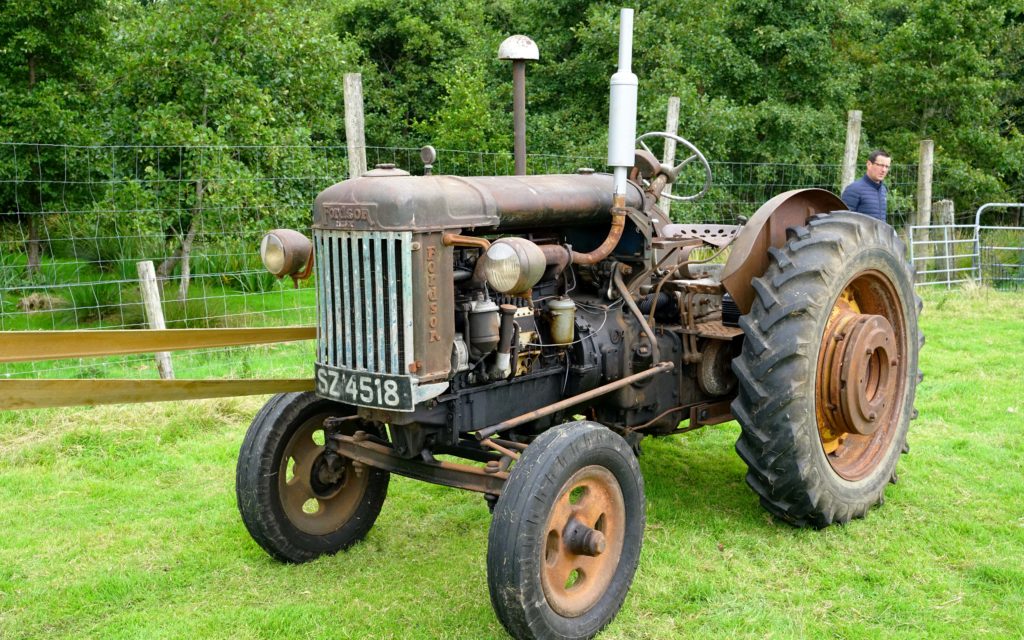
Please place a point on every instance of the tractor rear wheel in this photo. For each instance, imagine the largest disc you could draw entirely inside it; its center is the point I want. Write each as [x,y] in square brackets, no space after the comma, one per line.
[565,539]
[828,370]
[298,500]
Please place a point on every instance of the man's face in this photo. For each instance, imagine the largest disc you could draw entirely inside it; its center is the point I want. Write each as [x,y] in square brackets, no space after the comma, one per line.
[878,169]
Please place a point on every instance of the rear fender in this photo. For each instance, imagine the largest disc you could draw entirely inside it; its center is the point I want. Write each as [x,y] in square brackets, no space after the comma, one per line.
[767,228]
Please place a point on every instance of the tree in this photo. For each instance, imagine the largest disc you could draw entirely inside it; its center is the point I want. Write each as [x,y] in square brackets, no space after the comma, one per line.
[47,46]
[937,75]
[214,75]
[430,72]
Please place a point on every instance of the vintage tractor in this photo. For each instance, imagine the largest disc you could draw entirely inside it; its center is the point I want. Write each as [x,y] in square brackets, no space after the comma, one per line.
[539,327]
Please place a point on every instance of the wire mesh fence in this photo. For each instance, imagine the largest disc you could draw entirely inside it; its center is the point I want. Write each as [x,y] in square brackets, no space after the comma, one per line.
[76,220]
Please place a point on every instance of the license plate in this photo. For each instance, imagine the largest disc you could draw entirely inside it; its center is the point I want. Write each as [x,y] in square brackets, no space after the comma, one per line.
[377,390]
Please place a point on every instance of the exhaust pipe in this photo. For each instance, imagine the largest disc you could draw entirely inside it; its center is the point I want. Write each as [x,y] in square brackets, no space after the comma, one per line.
[519,49]
[622,111]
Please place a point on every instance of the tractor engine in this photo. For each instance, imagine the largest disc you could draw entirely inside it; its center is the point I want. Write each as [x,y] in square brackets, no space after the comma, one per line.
[447,304]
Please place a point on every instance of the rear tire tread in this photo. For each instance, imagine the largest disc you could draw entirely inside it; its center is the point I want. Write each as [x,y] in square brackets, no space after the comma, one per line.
[789,299]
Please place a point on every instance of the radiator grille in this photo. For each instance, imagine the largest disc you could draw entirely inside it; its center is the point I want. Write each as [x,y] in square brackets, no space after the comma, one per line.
[364,300]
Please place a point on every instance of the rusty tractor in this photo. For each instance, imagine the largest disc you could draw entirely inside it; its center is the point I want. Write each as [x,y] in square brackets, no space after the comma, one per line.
[537,327]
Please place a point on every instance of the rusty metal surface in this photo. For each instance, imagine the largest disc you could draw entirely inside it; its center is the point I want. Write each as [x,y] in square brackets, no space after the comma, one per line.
[597,392]
[585,534]
[717,331]
[861,375]
[433,301]
[449,474]
[37,394]
[767,228]
[455,240]
[710,413]
[610,241]
[519,115]
[426,203]
[320,490]
[24,346]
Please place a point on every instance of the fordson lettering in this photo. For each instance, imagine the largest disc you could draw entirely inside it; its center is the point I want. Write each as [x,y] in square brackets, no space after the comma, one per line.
[432,321]
[346,216]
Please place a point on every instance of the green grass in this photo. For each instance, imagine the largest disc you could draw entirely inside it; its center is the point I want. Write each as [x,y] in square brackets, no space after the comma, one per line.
[120,522]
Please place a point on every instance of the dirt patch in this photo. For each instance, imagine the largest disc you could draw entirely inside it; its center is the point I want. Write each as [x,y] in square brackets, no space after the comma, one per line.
[36,302]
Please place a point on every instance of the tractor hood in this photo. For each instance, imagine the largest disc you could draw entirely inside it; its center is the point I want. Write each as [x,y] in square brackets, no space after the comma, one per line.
[392,201]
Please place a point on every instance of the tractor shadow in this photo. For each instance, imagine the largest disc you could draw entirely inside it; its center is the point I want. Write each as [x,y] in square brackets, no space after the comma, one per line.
[698,477]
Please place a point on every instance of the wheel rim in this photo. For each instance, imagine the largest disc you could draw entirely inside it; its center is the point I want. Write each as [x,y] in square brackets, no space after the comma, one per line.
[583,541]
[861,375]
[319,490]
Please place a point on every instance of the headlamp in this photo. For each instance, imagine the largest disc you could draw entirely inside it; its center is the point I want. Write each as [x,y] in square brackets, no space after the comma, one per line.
[285,252]
[513,265]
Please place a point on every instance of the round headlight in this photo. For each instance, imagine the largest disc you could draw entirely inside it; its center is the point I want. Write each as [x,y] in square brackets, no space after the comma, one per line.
[513,265]
[272,253]
[285,252]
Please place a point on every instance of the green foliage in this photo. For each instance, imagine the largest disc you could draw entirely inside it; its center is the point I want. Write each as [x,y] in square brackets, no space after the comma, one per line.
[429,64]
[939,73]
[46,47]
[220,99]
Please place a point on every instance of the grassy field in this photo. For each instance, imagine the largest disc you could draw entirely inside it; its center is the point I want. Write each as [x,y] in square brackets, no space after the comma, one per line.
[120,522]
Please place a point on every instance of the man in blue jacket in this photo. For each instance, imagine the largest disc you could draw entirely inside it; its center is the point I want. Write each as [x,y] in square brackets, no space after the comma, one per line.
[868,195]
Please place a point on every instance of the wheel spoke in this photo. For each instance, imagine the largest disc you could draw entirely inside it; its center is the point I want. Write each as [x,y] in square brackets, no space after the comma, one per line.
[304,451]
[294,494]
[594,503]
[558,574]
[590,566]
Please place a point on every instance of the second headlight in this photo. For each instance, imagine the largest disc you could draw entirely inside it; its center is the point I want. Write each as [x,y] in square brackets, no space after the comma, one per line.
[513,265]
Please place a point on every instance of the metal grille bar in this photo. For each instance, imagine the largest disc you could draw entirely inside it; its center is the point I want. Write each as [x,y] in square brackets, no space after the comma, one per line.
[364,289]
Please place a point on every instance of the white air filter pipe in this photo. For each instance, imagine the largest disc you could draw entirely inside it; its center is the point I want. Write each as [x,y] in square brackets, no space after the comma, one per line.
[622,110]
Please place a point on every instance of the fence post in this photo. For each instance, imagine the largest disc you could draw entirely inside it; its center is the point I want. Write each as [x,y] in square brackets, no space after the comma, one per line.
[669,157]
[924,197]
[852,148]
[924,183]
[154,313]
[944,216]
[355,135]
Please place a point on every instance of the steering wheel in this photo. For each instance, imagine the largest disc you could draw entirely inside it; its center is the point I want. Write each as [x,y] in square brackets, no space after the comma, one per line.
[675,171]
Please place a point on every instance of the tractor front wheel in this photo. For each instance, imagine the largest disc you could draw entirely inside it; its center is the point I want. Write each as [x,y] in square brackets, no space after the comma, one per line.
[565,540]
[298,500]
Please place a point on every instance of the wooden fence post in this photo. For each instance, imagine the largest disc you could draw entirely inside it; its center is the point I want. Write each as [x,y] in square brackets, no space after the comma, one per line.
[923,216]
[355,135]
[669,156]
[944,216]
[852,148]
[924,182]
[154,314]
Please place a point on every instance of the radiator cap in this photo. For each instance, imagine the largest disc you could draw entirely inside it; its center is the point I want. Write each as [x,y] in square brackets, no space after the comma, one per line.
[384,170]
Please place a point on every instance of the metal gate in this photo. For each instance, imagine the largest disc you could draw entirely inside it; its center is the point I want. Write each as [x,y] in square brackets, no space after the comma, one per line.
[992,255]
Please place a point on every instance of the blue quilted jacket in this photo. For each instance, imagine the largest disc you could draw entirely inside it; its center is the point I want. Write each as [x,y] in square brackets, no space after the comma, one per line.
[867,197]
